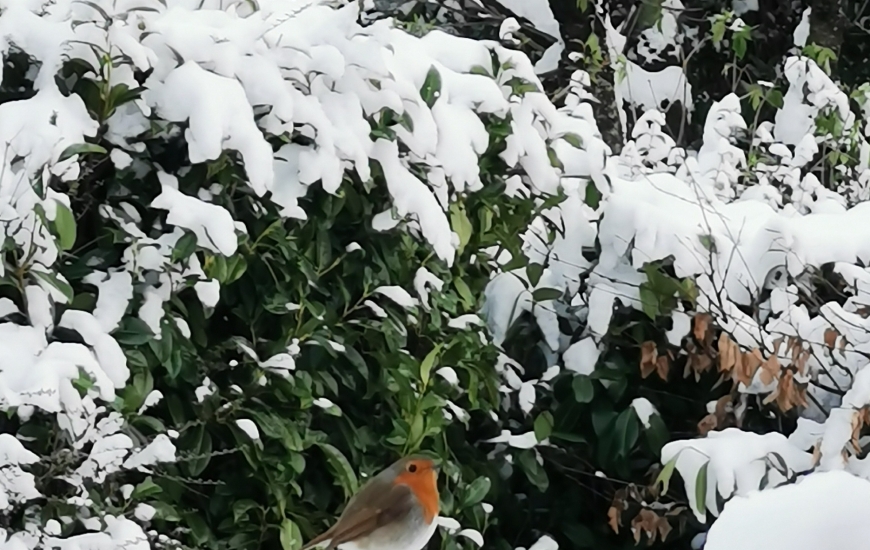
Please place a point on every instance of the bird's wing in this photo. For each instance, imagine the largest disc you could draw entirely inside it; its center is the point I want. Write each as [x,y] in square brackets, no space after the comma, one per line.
[362,516]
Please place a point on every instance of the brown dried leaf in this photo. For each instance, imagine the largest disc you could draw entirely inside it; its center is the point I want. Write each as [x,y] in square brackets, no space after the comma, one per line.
[831,338]
[727,353]
[857,425]
[750,363]
[707,424]
[787,393]
[647,521]
[663,366]
[700,326]
[664,528]
[648,355]
[613,518]
[700,362]
[770,370]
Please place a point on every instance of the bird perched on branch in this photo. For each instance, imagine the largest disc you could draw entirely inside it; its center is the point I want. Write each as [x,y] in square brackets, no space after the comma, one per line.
[395,510]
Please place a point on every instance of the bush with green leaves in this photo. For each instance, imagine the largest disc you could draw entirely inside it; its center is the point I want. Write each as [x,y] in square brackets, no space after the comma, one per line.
[245,249]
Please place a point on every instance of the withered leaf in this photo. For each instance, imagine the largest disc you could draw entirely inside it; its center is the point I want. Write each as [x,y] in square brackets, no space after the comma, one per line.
[770,370]
[700,326]
[648,356]
[707,424]
[613,518]
[727,353]
[663,366]
[831,338]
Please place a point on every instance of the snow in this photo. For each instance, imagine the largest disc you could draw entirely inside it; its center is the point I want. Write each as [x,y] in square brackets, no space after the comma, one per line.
[397,294]
[212,224]
[644,410]
[824,511]
[249,427]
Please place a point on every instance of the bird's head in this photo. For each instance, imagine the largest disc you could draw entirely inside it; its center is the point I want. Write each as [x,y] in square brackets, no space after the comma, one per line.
[420,474]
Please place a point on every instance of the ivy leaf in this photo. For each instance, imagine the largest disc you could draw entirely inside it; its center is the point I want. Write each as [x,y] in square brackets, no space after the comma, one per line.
[65,223]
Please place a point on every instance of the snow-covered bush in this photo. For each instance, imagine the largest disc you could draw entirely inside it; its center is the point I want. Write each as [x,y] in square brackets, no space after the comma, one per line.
[246,244]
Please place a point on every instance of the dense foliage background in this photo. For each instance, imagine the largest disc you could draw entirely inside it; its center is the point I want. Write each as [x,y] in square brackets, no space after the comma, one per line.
[256,251]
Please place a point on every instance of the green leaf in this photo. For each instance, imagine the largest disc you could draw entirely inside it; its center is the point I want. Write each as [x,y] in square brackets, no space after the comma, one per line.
[291,537]
[133,332]
[65,223]
[627,431]
[774,97]
[427,364]
[543,426]
[739,46]
[184,247]
[198,528]
[649,301]
[701,489]
[464,292]
[62,286]
[476,492]
[573,139]
[200,450]
[81,149]
[165,511]
[593,196]
[718,30]
[145,489]
[665,475]
[584,391]
[460,224]
[431,90]
[543,294]
[340,466]
[534,272]
[242,507]
[657,435]
[534,471]
[569,437]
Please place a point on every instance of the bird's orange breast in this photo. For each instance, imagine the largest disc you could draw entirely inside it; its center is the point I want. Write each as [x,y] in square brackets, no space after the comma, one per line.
[425,488]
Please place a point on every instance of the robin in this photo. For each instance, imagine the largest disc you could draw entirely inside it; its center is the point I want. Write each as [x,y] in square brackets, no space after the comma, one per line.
[395,510]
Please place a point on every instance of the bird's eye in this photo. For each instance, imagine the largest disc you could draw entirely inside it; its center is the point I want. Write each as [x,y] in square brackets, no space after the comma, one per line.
[412,468]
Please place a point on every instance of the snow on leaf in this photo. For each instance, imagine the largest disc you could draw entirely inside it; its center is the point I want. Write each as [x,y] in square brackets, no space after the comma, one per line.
[249,427]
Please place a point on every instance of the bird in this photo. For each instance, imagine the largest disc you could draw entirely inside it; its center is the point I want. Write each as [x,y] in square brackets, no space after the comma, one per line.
[395,510]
